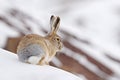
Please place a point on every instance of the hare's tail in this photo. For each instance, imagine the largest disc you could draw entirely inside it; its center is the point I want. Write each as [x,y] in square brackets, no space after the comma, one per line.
[34,59]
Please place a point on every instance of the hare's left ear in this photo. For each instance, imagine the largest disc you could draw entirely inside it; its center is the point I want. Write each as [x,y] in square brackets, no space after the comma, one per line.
[54,24]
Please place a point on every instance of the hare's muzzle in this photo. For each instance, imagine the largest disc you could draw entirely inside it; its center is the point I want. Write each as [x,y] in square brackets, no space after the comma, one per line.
[61,46]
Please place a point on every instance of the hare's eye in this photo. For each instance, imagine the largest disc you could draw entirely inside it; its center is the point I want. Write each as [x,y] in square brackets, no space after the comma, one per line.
[57,39]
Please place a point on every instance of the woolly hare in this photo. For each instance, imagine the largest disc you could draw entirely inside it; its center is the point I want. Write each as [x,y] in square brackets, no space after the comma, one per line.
[35,49]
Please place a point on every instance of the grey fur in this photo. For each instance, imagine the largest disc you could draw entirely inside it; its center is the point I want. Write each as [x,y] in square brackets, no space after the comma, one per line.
[31,50]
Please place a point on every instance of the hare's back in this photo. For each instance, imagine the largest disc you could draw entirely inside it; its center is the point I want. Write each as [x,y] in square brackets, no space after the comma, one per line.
[30,39]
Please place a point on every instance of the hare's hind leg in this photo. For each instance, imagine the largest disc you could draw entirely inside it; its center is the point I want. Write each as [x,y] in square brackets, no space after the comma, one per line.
[43,61]
[31,54]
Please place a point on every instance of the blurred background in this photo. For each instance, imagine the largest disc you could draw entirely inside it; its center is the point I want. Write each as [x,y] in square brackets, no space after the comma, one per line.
[90,30]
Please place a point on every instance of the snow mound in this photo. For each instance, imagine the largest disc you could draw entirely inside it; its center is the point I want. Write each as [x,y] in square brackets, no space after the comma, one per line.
[12,69]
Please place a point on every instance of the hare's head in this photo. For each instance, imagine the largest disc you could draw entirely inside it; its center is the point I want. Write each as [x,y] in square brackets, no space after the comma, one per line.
[53,37]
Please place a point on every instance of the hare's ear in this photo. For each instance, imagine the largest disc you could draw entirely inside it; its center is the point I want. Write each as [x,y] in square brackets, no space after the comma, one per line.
[54,24]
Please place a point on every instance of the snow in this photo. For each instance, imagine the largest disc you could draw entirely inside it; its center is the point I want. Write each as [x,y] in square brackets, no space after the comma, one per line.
[12,69]
[97,21]
[100,28]
[101,24]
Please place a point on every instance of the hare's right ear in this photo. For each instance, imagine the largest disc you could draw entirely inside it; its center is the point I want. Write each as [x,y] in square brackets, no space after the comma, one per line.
[54,24]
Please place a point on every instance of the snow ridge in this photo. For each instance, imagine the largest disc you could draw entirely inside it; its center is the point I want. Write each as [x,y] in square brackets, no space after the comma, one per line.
[12,69]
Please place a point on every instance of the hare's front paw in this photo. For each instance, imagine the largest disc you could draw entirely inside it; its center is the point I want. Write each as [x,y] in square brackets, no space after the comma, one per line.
[34,60]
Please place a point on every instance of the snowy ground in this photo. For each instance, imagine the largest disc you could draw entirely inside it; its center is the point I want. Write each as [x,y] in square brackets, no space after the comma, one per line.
[12,69]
